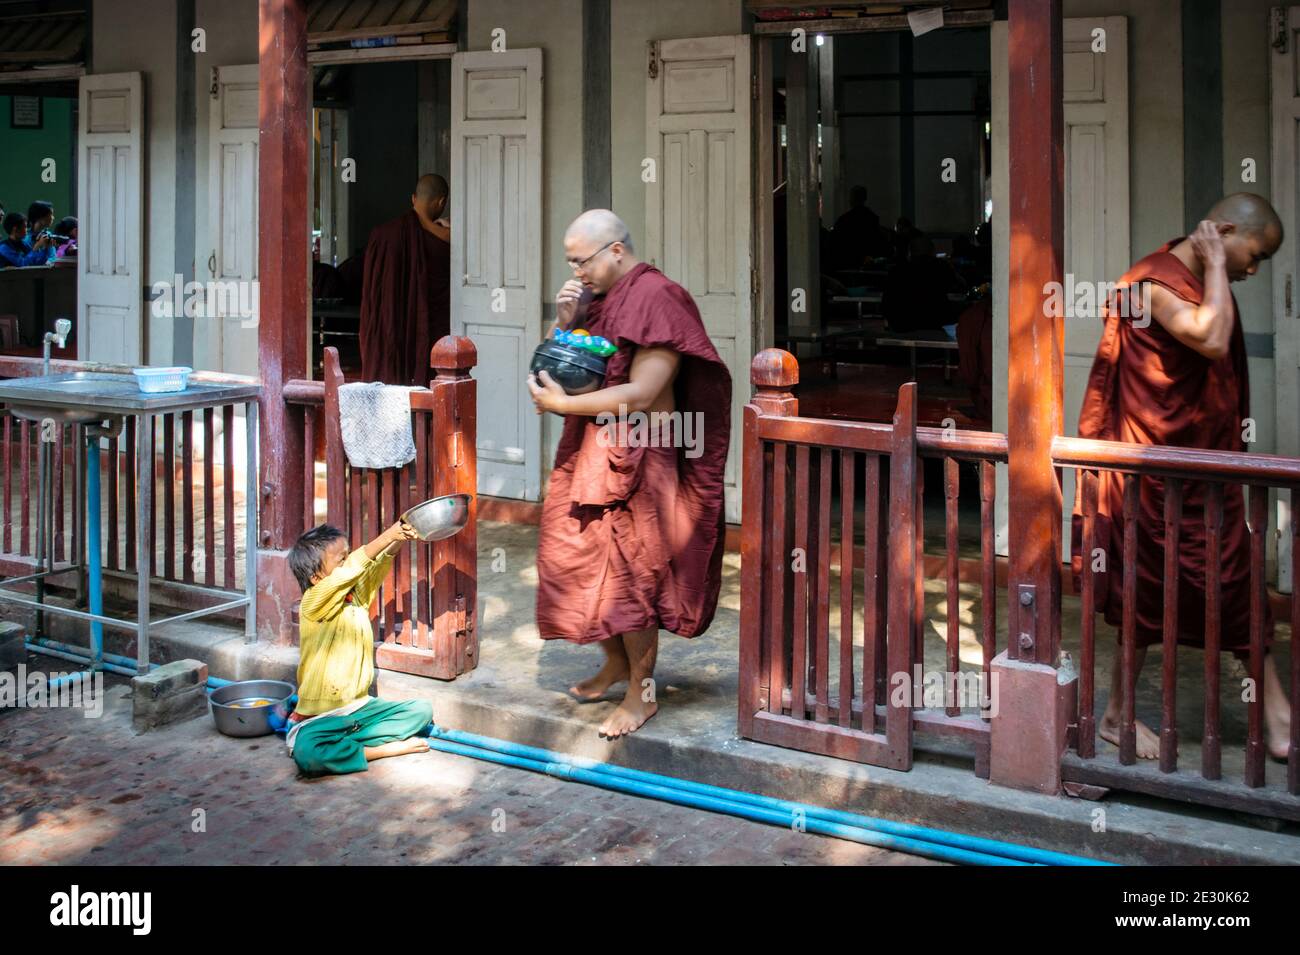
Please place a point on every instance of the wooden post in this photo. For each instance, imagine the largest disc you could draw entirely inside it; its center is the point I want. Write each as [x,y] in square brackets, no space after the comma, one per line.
[1034,390]
[773,373]
[336,504]
[1033,706]
[452,468]
[284,109]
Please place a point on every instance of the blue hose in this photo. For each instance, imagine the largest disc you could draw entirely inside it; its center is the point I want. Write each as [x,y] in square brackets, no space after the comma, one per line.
[790,810]
[94,560]
[114,658]
[680,797]
[80,658]
[111,662]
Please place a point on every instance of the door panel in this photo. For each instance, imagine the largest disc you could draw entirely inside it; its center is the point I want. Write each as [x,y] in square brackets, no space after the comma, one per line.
[110,271]
[225,339]
[698,229]
[496,265]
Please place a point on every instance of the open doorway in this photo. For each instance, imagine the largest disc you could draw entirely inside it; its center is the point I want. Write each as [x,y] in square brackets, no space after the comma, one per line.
[376,128]
[38,204]
[881,221]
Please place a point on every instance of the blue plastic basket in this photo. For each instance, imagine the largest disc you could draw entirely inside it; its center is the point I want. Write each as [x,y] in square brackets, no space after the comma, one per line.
[157,380]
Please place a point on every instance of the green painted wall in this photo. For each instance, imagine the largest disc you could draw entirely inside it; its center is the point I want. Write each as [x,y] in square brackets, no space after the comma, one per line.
[23,150]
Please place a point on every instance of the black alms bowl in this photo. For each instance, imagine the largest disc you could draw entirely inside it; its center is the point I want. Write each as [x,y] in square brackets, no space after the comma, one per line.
[575,370]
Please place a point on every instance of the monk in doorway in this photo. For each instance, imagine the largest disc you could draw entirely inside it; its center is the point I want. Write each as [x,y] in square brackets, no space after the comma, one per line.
[632,529]
[1178,377]
[406,289]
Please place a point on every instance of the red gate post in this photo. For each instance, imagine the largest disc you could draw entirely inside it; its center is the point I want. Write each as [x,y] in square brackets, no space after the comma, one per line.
[453,469]
[773,372]
[1033,705]
[284,108]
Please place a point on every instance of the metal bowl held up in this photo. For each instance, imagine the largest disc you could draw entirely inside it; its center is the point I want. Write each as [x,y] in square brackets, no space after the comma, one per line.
[439,517]
[235,720]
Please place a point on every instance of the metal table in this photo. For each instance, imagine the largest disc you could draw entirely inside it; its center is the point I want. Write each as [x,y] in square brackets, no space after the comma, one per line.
[104,396]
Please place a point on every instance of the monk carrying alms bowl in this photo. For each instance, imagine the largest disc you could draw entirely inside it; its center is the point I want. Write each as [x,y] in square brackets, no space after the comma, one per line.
[631,534]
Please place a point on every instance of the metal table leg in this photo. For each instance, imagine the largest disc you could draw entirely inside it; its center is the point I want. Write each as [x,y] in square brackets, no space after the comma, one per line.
[143,514]
[42,503]
[250,522]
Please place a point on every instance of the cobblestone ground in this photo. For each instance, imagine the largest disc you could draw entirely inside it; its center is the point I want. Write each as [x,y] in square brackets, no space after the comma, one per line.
[77,790]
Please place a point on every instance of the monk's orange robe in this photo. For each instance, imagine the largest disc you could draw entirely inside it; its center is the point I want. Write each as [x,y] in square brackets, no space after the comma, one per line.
[1146,387]
[632,535]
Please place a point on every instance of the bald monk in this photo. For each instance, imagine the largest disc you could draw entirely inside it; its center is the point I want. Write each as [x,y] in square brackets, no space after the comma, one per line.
[406,289]
[631,535]
[1178,378]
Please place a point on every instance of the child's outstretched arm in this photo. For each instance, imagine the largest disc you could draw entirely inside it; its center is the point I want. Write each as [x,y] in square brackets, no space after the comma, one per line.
[391,540]
[380,550]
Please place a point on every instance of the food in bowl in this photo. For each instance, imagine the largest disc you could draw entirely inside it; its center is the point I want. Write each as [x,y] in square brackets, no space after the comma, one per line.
[576,360]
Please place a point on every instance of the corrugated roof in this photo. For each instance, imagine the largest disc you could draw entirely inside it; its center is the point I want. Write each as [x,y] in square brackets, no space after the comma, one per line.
[330,21]
[40,34]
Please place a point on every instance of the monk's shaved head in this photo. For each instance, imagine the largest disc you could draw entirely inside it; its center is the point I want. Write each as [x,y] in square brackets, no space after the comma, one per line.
[1250,213]
[431,186]
[599,226]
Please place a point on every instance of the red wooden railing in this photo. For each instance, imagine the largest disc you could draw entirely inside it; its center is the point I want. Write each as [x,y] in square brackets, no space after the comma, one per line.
[197,564]
[1184,472]
[426,611]
[787,696]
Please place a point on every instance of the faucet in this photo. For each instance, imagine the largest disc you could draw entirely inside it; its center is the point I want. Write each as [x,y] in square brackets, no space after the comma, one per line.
[60,334]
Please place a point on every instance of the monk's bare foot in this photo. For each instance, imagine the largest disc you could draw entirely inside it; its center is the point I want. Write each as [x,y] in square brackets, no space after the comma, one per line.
[629,717]
[1277,734]
[1148,744]
[594,688]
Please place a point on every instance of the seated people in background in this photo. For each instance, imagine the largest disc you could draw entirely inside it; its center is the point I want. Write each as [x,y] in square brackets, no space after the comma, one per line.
[857,233]
[984,249]
[916,295]
[351,273]
[975,355]
[14,250]
[65,237]
[40,215]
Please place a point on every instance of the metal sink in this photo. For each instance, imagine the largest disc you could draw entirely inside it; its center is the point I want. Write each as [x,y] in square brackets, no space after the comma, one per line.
[80,383]
[84,397]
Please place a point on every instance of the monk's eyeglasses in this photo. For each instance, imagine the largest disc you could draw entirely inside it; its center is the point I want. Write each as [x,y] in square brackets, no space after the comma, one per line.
[578,265]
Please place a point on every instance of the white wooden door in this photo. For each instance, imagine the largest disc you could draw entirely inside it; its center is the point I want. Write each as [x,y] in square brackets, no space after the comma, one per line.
[698,223]
[1284,24]
[1096,207]
[496,264]
[110,178]
[225,338]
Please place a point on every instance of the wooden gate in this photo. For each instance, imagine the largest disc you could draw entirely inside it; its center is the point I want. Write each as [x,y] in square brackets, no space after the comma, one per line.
[425,613]
[786,695]
[802,685]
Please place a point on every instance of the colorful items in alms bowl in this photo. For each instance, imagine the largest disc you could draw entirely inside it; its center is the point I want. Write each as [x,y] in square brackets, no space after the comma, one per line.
[574,359]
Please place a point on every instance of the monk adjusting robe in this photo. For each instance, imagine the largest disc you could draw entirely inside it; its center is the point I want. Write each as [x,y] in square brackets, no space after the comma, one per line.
[632,537]
[1146,387]
[405,301]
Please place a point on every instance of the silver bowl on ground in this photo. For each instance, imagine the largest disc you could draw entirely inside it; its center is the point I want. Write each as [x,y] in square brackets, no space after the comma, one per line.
[237,710]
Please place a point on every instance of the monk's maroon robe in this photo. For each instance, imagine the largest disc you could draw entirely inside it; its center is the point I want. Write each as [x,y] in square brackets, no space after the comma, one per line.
[632,536]
[1146,387]
[405,301]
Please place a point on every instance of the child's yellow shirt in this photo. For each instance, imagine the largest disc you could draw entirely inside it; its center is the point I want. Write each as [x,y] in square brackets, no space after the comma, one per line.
[335,638]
